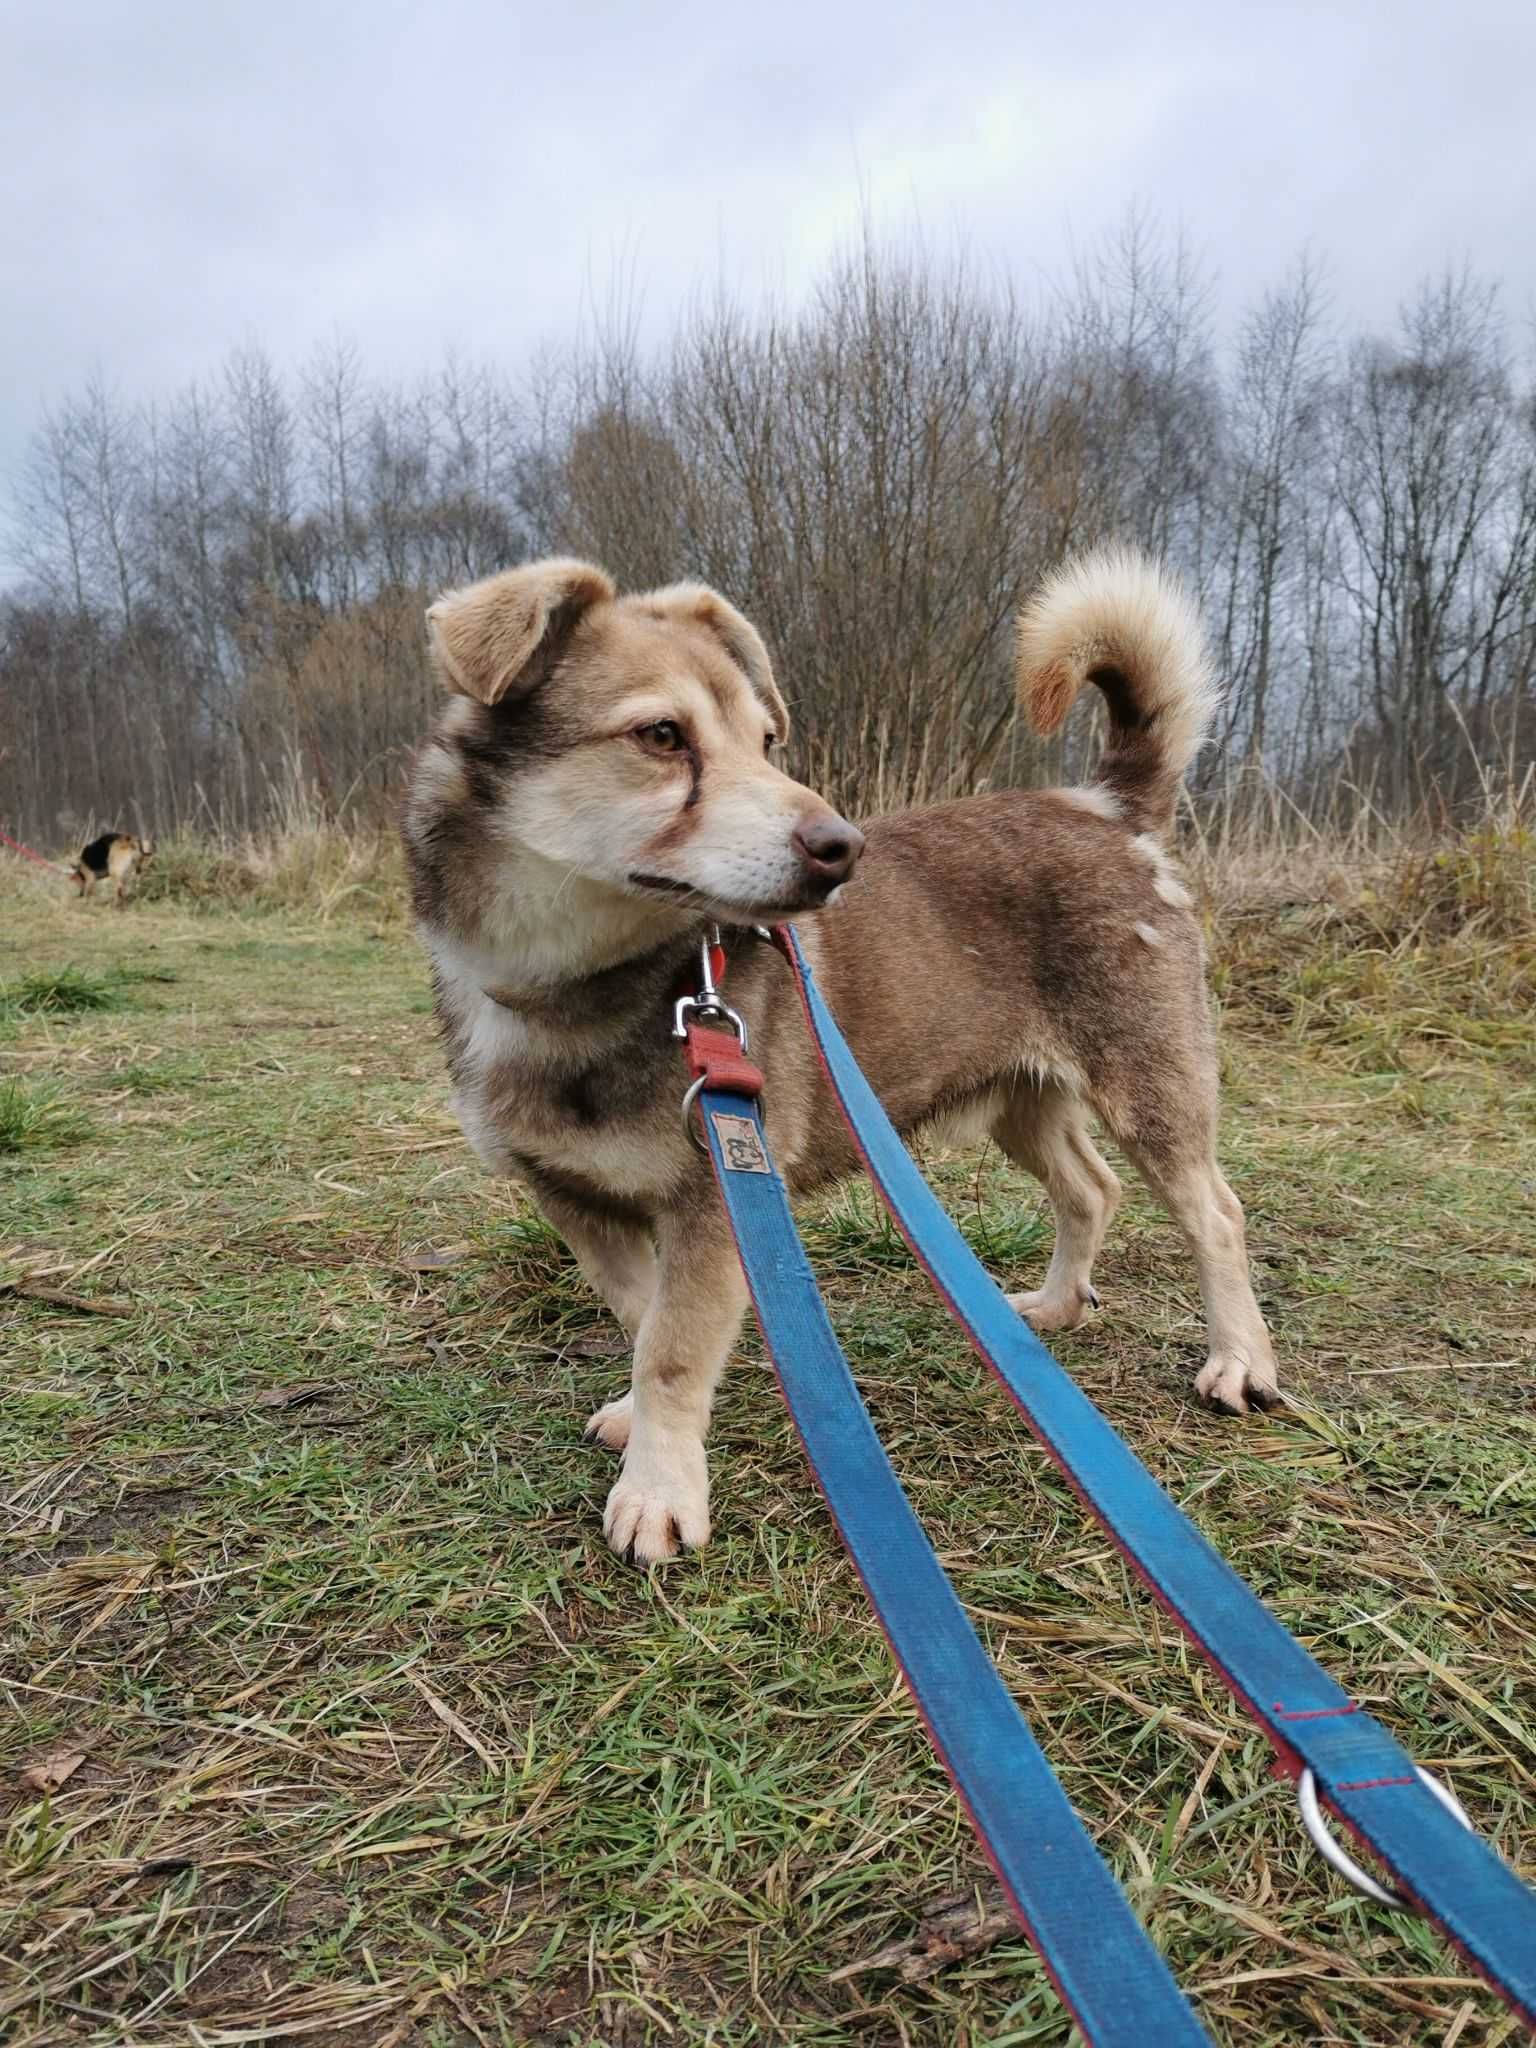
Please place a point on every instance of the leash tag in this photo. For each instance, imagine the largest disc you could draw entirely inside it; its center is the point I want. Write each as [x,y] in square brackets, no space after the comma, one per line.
[741,1149]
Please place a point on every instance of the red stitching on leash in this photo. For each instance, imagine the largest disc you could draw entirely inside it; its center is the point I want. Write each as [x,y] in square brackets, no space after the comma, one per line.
[1368,1784]
[1315,1713]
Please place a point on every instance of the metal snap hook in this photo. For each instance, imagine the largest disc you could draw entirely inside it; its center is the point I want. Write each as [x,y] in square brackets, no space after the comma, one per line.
[1333,1853]
[708,1005]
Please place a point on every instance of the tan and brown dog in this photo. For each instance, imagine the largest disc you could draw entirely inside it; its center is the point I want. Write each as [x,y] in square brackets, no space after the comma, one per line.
[119,855]
[601,785]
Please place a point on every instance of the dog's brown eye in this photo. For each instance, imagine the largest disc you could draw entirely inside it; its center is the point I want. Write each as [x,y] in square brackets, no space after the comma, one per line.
[664,737]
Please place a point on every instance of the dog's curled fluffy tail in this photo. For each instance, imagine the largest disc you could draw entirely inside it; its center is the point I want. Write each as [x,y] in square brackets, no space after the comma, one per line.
[1117,619]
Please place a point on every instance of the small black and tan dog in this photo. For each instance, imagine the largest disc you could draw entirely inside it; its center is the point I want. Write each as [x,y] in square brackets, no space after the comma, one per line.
[118,855]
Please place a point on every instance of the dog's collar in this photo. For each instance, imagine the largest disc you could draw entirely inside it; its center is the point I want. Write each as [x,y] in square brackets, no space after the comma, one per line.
[590,995]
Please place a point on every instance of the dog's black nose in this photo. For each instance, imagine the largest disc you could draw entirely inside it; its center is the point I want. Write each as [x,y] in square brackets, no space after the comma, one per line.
[829,846]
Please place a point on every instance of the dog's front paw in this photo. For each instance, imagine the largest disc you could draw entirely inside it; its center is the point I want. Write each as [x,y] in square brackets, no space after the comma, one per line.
[610,1425]
[660,1503]
[1236,1384]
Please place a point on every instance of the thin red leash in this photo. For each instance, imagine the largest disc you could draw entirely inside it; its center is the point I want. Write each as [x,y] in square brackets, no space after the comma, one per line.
[57,867]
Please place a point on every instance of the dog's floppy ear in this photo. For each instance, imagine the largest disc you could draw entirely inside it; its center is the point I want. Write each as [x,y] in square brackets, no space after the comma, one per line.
[504,632]
[696,604]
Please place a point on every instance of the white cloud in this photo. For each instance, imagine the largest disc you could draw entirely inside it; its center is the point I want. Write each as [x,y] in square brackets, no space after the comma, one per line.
[180,179]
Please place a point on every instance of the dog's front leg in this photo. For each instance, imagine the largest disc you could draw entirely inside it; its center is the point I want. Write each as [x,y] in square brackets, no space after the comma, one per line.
[660,1502]
[620,1264]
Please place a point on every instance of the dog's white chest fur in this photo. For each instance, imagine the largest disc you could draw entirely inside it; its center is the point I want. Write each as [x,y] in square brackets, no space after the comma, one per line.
[504,1071]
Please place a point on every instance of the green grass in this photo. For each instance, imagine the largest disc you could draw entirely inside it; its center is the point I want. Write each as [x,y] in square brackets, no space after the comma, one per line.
[380,1745]
[35,1118]
[70,991]
[60,992]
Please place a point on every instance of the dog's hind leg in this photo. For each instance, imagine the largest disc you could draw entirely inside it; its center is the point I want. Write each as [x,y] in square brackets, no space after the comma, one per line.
[1179,1163]
[1043,1128]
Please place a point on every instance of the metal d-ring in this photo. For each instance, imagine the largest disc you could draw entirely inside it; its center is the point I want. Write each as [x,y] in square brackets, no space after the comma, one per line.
[1341,1860]
[690,1097]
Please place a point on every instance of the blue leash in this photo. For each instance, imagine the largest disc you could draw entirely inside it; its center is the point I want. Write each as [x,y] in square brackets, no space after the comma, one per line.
[1321,1735]
[1097,1954]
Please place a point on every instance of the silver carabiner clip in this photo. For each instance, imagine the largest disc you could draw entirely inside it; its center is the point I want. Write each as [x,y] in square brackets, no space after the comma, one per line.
[708,1003]
[1341,1860]
[711,1005]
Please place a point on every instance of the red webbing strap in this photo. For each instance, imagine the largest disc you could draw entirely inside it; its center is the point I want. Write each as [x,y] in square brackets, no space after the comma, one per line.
[716,1059]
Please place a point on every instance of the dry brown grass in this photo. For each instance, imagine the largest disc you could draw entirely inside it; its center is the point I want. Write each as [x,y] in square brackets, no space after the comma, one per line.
[332,1719]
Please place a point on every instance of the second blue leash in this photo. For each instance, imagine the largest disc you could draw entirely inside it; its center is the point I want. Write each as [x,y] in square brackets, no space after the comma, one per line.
[1446,1869]
[1108,1973]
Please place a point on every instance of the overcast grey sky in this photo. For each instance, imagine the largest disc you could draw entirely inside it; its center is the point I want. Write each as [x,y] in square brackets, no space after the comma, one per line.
[178,178]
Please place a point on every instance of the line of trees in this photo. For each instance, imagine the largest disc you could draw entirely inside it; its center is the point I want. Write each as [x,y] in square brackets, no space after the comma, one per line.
[220,607]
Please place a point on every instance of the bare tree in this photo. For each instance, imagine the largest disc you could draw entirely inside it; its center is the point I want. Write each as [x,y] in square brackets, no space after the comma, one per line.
[1432,476]
[1274,458]
[222,594]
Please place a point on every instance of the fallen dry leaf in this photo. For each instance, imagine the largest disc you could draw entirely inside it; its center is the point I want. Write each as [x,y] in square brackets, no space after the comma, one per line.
[87,1304]
[948,1929]
[430,1261]
[51,1768]
[601,1344]
[297,1395]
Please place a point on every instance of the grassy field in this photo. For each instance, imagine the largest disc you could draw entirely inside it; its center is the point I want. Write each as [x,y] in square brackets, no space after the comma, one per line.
[331,1719]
